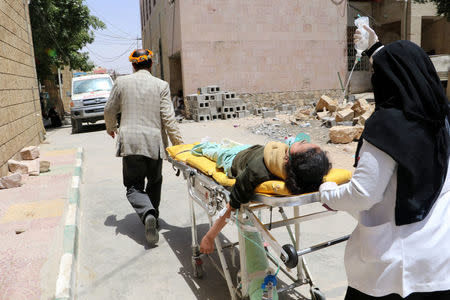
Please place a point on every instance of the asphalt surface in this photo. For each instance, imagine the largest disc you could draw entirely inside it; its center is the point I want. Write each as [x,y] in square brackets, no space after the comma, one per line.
[114,261]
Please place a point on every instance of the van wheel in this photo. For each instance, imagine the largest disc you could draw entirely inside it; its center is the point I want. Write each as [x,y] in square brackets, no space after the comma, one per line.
[76,125]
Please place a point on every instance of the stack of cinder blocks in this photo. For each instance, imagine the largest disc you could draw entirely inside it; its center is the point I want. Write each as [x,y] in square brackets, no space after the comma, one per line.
[210,103]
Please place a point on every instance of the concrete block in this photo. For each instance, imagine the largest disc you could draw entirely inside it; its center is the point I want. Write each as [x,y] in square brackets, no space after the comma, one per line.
[199,104]
[257,111]
[209,97]
[211,89]
[323,114]
[268,114]
[344,115]
[360,107]
[326,102]
[33,166]
[228,95]
[11,181]
[201,111]
[229,115]
[343,134]
[17,166]
[44,166]
[241,114]
[201,118]
[227,109]
[219,102]
[214,116]
[240,108]
[29,153]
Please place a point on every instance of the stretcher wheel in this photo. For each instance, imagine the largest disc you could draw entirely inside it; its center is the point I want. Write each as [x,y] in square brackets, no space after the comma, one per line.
[292,260]
[197,264]
[316,294]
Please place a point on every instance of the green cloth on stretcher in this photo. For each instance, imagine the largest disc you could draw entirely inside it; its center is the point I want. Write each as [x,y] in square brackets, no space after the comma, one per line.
[222,154]
[256,261]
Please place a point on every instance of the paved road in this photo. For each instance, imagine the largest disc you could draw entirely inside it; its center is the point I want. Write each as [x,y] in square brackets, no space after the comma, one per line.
[114,261]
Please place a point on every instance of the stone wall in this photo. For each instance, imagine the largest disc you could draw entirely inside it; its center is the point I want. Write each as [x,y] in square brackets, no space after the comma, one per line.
[298,98]
[273,99]
[20,111]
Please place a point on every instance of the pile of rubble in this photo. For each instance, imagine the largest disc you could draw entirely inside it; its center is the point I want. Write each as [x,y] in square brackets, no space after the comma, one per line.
[210,103]
[29,165]
[346,121]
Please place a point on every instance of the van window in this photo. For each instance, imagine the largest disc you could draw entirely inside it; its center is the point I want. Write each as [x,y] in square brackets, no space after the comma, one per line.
[92,85]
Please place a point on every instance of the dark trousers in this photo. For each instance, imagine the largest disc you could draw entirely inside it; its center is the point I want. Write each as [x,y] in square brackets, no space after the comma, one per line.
[353,294]
[143,197]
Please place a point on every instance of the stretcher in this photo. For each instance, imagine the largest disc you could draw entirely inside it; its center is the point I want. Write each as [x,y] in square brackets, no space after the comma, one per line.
[208,187]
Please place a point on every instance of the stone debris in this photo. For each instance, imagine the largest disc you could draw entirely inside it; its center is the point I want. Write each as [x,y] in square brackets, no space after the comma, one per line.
[11,181]
[16,166]
[323,114]
[33,166]
[344,134]
[29,153]
[327,103]
[360,107]
[345,115]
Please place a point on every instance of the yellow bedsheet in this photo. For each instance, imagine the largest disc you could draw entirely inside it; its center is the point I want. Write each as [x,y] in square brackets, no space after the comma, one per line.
[272,187]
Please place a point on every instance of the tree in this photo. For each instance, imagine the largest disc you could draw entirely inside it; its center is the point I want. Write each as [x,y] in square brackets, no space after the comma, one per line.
[61,28]
[443,7]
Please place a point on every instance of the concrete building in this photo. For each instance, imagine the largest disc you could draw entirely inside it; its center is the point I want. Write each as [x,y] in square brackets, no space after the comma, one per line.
[270,51]
[264,50]
[20,110]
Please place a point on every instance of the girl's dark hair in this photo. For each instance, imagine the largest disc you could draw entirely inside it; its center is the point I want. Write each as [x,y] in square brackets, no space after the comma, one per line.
[305,171]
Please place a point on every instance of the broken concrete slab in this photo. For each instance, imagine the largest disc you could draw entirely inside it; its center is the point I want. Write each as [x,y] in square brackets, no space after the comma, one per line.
[29,153]
[11,181]
[323,114]
[360,107]
[327,103]
[345,115]
[17,166]
[343,134]
[44,166]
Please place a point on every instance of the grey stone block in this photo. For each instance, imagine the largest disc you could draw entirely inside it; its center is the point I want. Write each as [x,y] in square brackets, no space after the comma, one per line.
[257,111]
[268,114]
[241,114]
[215,116]
[227,109]
[200,118]
[201,111]
[211,89]
[228,95]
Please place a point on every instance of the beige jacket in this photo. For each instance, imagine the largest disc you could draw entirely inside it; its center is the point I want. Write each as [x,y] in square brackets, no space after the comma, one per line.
[147,115]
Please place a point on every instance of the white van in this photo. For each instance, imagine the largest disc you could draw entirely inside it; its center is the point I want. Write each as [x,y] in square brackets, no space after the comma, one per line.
[89,96]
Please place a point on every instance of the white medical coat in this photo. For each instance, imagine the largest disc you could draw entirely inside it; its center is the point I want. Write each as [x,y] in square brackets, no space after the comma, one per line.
[380,257]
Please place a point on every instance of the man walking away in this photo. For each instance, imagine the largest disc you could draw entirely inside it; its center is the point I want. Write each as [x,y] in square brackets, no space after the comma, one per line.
[146,119]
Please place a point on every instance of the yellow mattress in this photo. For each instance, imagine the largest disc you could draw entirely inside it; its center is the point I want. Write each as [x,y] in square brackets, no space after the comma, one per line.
[273,187]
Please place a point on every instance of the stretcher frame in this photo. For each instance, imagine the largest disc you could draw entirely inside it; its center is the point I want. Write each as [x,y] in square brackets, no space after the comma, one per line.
[212,197]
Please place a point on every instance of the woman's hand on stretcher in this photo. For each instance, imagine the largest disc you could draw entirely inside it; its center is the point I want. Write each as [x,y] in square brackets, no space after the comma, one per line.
[207,243]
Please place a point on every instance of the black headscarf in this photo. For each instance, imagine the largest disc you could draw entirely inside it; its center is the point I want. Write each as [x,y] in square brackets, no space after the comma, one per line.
[409,125]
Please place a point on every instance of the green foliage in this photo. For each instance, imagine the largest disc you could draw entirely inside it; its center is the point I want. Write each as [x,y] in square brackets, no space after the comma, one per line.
[61,28]
[443,6]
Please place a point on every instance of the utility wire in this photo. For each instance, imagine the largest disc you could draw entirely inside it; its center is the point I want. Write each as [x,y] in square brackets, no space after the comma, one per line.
[106,21]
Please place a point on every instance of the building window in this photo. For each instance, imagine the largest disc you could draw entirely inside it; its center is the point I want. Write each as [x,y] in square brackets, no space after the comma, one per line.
[364,64]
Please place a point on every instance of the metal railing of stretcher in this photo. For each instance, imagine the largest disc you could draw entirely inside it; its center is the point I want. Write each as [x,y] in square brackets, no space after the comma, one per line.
[212,197]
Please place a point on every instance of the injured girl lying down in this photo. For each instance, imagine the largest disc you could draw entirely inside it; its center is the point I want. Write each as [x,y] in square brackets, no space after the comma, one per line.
[302,165]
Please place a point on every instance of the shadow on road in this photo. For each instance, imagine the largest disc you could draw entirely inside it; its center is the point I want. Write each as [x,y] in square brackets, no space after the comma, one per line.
[212,285]
[130,226]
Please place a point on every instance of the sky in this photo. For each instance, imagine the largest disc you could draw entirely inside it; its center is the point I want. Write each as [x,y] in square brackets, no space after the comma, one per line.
[113,45]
